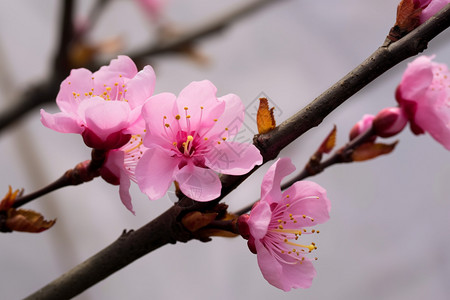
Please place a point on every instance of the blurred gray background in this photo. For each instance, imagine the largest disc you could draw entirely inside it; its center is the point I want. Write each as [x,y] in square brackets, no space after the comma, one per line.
[388,236]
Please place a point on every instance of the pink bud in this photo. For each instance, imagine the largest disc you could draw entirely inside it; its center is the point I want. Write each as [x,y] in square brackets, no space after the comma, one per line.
[362,126]
[389,121]
[243,226]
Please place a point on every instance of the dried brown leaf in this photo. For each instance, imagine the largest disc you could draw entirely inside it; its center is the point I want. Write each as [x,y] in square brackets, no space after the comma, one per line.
[264,117]
[27,221]
[371,150]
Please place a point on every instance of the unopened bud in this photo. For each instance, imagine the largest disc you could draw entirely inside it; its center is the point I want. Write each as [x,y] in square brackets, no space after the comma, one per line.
[362,126]
[389,122]
[244,230]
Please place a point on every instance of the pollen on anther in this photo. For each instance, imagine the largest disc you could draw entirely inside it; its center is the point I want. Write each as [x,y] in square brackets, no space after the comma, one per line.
[304,216]
[177,117]
[285,240]
[167,125]
[185,108]
[287,196]
[287,205]
[205,138]
[188,116]
[312,231]
[215,120]
[280,226]
[224,138]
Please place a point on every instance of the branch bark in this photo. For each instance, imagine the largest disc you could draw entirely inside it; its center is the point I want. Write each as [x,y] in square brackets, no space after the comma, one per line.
[167,228]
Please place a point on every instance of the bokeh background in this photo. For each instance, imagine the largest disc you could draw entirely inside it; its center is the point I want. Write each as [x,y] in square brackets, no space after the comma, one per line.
[388,236]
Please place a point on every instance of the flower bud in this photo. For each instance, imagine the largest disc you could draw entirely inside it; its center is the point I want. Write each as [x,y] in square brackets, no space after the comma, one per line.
[389,121]
[243,226]
[363,125]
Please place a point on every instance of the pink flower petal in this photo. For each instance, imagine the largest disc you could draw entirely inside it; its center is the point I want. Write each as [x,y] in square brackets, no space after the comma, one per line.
[259,219]
[417,78]
[270,187]
[114,166]
[310,200]
[198,183]
[122,65]
[284,276]
[153,112]
[141,87]
[61,122]
[105,117]
[196,95]
[154,173]
[73,89]
[230,121]
[433,8]
[233,158]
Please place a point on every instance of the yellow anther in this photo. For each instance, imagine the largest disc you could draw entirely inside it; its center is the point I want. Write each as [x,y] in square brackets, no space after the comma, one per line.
[174,143]
[224,138]
[108,88]
[116,83]
[90,93]
[287,205]
[69,82]
[177,117]
[205,138]
[201,107]
[167,125]
[185,108]
[304,216]
[218,142]
[215,120]
[280,221]
[188,116]
[312,231]
[287,196]
[280,226]
[189,139]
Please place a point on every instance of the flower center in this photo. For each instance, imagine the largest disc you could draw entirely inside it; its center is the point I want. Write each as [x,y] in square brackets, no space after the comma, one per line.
[288,225]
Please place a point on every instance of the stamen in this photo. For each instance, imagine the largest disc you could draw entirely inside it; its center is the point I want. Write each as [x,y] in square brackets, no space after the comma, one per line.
[188,144]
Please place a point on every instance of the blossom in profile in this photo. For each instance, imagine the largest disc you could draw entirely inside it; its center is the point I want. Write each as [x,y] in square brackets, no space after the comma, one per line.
[277,223]
[190,139]
[105,106]
[120,165]
[424,96]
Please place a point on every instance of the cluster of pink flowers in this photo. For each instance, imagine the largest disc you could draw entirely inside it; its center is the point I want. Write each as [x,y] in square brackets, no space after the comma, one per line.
[154,139]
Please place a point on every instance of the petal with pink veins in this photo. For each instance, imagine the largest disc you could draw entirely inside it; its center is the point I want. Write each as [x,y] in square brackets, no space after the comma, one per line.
[198,183]
[105,117]
[61,122]
[141,87]
[233,158]
[270,187]
[154,173]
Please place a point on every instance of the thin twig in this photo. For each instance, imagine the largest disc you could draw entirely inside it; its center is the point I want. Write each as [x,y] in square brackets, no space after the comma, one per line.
[167,227]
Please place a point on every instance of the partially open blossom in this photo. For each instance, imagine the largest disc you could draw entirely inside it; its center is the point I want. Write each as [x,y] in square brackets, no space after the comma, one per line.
[277,224]
[120,166]
[190,140]
[389,122]
[104,107]
[430,8]
[362,126]
[424,96]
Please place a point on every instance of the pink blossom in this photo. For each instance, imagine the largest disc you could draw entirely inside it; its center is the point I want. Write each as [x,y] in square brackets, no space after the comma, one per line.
[120,166]
[278,221]
[104,107]
[361,126]
[430,8]
[424,96]
[190,139]
[152,7]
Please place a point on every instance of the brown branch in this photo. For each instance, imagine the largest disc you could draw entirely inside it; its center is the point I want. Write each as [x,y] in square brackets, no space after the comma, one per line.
[167,227]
